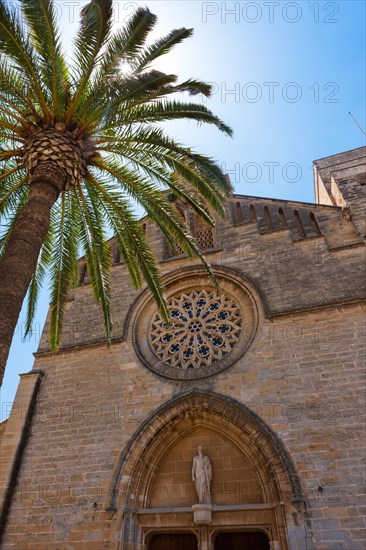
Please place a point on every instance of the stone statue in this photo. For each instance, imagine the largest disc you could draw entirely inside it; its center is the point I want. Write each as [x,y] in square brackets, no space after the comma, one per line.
[201,476]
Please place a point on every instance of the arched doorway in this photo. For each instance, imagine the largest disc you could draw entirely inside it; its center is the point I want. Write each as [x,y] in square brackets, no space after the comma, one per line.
[246,540]
[173,541]
[254,480]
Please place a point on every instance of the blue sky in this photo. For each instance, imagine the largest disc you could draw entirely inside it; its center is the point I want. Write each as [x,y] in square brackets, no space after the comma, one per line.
[284,75]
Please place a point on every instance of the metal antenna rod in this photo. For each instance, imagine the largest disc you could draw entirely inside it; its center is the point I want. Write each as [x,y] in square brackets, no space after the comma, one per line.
[353,118]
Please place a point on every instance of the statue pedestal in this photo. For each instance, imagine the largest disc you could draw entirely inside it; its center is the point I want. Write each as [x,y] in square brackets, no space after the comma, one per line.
[202,514]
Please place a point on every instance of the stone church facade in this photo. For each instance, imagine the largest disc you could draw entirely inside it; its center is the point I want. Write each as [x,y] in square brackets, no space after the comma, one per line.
[265,373]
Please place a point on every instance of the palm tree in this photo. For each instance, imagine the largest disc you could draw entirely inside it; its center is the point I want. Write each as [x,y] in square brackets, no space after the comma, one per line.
[81,141]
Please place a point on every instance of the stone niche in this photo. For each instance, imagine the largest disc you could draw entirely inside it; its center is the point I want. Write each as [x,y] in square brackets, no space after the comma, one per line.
[234,480]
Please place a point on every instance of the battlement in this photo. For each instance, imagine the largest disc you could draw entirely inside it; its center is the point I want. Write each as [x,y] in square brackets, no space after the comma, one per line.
[301,220]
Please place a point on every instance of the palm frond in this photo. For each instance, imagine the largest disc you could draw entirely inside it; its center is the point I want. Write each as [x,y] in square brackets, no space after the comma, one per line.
[13,89]
[95,26]
[160,47]
[7,123]
[41,18]
[8,173]
[145,147]
[156,206]
[131,239]
[123,46]
[98,192]
[15,43]
[112,97]
[44,262]
[63,264]
[153,140]
[127,42]
[161,111]
[194,87]
[97,254]
[11,112]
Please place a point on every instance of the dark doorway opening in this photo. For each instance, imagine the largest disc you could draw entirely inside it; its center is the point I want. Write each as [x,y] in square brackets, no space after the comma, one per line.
[176,541]
[247,540]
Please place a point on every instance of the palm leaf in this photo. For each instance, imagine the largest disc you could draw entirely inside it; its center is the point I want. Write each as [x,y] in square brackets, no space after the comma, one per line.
[129,234]
[116,212]
[95,25]
[122,46]
[127,42]
[42,22]
[15,43]
[153,140]
[63,264]
[98,191]
[160,47]
[97,255]
[156,206]
[194,87]
[44,261]
[198,171]
[161,111]
[156,172]
[12,89]
[122,91]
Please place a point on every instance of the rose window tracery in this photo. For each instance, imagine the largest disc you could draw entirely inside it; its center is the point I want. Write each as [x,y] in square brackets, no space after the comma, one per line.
[205,326]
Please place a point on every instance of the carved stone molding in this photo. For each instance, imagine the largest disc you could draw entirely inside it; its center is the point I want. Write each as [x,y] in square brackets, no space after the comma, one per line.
[139,462]
[179,416]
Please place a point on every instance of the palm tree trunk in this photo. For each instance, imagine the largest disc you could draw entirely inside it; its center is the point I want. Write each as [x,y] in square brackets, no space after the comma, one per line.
[21,254]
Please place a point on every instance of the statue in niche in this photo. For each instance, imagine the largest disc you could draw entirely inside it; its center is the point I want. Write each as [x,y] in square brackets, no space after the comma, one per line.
[201,476]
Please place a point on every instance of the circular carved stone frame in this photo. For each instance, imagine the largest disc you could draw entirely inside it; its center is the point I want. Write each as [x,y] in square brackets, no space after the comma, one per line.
[231,284]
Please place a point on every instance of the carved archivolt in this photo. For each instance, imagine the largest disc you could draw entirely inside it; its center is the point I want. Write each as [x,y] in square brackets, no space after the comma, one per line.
[140,460]
[138,464]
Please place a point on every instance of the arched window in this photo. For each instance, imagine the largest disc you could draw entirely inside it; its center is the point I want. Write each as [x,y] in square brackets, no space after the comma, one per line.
[282,218]
[116,255]
[239,217]
[314,223]
[252,213]
[82,273]
[201,230]
[299,225]
[204,234]
[267,217]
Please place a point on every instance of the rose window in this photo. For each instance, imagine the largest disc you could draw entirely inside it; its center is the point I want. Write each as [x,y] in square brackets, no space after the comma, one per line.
[204,328]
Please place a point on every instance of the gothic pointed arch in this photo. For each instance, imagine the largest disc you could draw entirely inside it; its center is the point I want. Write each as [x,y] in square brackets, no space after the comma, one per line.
[138,464]
[170,422]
